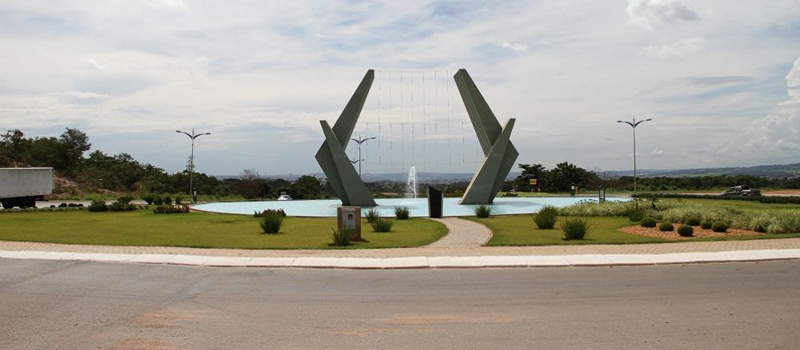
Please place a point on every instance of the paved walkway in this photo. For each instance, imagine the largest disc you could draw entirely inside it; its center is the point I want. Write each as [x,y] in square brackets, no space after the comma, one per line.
[462,234]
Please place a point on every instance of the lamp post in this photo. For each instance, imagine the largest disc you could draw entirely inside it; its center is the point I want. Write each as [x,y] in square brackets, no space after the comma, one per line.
[192,136]
[633,125]
[359,141]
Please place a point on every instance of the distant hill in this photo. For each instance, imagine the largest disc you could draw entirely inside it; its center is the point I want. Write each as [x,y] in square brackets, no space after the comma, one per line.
[778,170]
[422,177]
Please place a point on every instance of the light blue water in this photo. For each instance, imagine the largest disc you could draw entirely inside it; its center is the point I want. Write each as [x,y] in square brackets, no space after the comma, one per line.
[418,207]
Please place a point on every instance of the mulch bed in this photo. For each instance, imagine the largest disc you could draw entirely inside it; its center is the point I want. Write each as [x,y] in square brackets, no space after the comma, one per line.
[674,236]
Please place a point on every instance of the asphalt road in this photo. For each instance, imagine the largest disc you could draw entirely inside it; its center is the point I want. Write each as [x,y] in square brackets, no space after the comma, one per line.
[83,305]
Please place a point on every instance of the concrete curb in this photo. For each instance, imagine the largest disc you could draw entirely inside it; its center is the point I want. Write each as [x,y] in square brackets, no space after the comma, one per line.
[420,262]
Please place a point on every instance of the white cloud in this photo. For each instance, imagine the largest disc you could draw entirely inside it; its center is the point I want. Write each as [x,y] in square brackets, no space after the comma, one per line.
[657,152]
[648,14]
[95,65]
[166,4]
[676,49]
[516,46]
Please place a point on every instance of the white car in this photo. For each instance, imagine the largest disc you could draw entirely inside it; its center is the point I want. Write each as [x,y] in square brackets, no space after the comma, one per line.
[284,197]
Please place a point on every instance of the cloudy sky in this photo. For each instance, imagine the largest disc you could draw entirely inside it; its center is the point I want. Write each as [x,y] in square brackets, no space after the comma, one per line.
[721,79]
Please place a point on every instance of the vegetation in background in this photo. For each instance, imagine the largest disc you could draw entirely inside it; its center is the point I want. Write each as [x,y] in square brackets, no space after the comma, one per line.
[98,205]
[171,209]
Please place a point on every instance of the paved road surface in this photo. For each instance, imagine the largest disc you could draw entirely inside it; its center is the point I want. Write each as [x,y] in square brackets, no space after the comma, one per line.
[85,305]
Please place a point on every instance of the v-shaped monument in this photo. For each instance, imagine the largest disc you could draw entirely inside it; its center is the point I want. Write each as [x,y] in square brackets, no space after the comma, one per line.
[499,153]
[331,156]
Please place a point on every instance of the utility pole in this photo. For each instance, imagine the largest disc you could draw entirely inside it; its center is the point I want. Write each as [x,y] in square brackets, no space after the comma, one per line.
[633,123]
[359,141]
[192,136]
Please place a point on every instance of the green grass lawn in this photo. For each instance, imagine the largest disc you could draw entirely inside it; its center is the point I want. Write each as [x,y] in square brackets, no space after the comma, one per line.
[520,230]
[143,228]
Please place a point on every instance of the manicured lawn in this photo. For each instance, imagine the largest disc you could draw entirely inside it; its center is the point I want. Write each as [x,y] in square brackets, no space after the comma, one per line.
[143,228]
[737,204]
[521,230]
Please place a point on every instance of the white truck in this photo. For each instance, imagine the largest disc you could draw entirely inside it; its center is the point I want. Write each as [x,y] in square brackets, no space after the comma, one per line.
[22,187]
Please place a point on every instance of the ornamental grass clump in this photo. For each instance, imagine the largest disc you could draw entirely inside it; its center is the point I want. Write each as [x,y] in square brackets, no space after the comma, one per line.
[648,222]
[483,211]
[402,213]
[636,213]
[685,230]
[382,225]
[666,227]
[371,215]
[271,221]
[575,228]
[545,219]
[342,236]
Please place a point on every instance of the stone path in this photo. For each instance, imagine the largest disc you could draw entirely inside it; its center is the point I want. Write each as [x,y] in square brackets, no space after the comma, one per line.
[462,234]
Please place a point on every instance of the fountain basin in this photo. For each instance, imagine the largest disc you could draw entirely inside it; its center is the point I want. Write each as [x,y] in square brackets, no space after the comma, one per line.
[418,207]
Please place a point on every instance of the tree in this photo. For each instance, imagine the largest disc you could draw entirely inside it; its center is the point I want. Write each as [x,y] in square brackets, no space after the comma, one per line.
[306,187]
[531,171]
[76,142]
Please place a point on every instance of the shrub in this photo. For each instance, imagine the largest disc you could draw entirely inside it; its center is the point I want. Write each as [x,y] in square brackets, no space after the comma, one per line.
[167,200]
[706,225]
[401,213]
[178,200]
[575,228]
[271,221]
[692,221]
[122,206]
[149,198]
[157,200]
[62,205]
[259,214]
[382,225]
[545,219]
[124,199]
[371,215]
[720,227]
[636,213]
[685,230]
[665,226]
[342,236]
[483,211]
[98,205]
[171,209]
[648,222]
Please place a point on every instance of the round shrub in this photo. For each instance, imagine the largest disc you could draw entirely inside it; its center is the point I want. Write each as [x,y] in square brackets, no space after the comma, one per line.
[706,225]
[685,230]
[648,222]
[692,221]
[167,200]
[665,226]
[545,219]
[720,227]
[98,205]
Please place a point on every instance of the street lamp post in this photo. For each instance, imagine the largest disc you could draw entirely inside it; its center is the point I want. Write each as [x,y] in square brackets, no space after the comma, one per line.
[192,136]
[359,141]
[633,123]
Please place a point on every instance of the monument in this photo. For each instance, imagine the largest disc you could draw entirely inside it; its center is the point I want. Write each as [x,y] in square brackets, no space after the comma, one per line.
[499,153]
[331,156]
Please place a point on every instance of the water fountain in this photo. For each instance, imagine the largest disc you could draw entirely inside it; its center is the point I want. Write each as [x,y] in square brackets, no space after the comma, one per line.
[411,185]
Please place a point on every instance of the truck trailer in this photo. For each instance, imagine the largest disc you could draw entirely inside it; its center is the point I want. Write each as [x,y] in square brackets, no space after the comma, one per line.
[22,187]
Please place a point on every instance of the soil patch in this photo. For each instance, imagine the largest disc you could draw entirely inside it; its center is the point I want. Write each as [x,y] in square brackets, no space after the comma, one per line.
[674,236]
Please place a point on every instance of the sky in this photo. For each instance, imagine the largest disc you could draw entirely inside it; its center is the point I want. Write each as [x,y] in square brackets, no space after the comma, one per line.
[720,79]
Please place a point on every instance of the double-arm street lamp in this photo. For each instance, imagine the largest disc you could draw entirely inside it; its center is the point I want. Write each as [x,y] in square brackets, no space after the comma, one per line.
[633,123]
[359,141]
[192,136]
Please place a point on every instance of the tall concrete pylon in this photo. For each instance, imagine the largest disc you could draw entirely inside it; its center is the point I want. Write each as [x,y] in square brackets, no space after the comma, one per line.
[332,157]
[500,154]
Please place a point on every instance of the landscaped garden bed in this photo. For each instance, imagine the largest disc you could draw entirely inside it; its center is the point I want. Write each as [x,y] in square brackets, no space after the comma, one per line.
[699,232]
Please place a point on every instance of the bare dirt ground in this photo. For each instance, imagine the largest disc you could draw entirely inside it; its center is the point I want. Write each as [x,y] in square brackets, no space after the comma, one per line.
[674,236]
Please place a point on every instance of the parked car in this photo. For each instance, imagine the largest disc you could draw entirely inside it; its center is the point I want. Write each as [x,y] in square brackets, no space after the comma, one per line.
[741,191]
[284,197]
